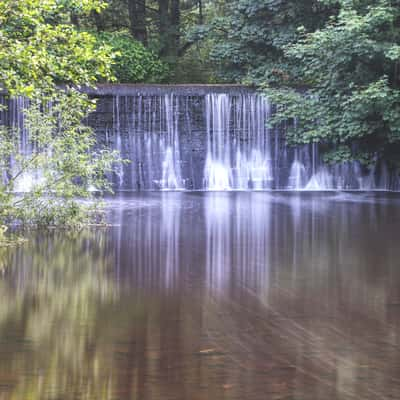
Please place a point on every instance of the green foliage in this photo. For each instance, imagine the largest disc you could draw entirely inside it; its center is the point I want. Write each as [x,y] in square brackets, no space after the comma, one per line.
[133,62]
[338,155]
[351,69]
[250,37]
[40,49]
[331,66]
[66,288]
[65,159]
[3,230]
[173,33]
[194,65]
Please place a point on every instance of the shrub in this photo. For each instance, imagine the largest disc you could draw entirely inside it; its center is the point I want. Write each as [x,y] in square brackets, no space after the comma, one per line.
[133,61]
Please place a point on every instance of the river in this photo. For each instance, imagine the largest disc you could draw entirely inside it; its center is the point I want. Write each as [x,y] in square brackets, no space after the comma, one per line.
[208,295]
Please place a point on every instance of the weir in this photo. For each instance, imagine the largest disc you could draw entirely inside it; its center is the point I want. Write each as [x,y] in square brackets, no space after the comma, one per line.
[205,137]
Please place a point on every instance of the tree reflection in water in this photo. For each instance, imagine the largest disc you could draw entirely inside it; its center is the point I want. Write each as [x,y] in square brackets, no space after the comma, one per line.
[54,290]
[208,295]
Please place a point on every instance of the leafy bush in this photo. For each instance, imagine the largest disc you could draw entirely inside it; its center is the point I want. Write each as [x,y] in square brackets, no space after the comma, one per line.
[133,62]
[65,160]
[351,69]
[39,49]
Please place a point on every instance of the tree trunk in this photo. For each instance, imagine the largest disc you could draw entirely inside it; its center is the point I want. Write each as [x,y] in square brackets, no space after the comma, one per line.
[75,19]
[169,15]
[163,27]
[137,17]
[175,18]
[201,16]
[99,21]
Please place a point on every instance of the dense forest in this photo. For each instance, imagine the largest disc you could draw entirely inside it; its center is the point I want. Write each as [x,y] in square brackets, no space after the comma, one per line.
[199,199]
[332,66]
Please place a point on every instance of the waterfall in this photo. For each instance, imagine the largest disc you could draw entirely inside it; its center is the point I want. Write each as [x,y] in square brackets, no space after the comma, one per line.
[28,178]
[171,170]
[119,169]
[238,142]
[217,172]
[309,172]
[297,175]
[200,138]
[146,133]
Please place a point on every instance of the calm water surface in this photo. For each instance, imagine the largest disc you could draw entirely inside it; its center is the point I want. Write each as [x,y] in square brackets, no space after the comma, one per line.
[208,296]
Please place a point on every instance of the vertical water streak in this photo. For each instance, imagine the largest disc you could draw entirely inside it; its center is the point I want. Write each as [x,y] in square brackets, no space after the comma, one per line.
[218,241]
[171,217]
[321,178]
[297,175]
[213,141]
[149,136]
[171,171]
[118,140]
[217,172]
[28,177]
[238,143]
[237,237]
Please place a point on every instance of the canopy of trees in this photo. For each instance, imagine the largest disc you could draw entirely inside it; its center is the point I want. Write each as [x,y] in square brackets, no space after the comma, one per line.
[40,49]
[169,30]
[330,66]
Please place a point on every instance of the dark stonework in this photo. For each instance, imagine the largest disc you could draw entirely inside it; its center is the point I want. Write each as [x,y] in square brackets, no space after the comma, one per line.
[153,125]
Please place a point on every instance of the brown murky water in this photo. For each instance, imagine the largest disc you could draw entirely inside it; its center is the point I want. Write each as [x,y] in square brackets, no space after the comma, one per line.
[209,296]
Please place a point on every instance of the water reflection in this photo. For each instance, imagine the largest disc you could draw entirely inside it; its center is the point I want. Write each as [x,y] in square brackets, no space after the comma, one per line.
[52,291]
[148,239]
[215,295]
[237,237]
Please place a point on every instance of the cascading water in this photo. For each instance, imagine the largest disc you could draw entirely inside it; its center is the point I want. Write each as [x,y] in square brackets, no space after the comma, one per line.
[217,139]
[145,132]
[238,142]
[297,177]
[24,179]
[119,170]
[201,138]
[171,170]
[309,172]
[217,172]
